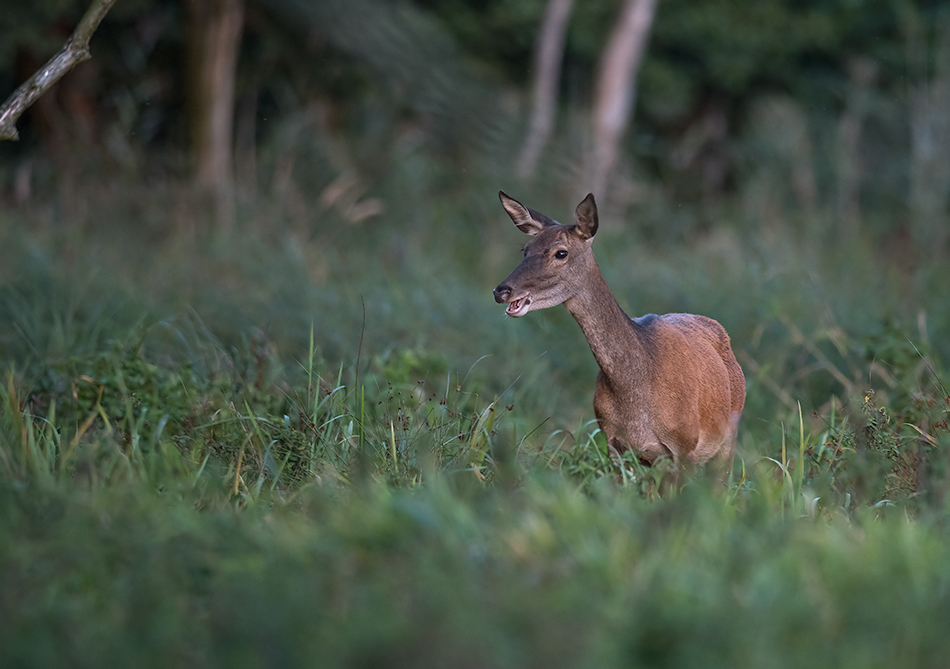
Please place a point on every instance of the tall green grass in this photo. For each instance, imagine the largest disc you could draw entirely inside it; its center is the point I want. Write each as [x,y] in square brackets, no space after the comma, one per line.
[542,574]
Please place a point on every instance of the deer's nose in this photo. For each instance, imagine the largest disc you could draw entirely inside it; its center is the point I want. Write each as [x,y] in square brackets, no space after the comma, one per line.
[502,293]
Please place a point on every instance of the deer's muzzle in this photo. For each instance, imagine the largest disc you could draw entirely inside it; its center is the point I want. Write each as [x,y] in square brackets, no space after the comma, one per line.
[516,306]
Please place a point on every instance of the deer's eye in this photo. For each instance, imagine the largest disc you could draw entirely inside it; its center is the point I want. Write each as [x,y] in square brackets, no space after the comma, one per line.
[560,255]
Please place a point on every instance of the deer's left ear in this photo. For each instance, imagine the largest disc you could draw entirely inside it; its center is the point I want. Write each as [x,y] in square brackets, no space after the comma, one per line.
[586,217]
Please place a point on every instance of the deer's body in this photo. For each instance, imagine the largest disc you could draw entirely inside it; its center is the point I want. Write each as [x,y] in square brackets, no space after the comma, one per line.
[668,385]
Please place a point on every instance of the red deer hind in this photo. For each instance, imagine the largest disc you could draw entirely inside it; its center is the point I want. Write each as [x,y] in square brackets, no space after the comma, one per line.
[668,385]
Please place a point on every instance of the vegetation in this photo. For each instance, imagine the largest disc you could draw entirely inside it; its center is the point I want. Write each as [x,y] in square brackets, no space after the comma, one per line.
[313,438]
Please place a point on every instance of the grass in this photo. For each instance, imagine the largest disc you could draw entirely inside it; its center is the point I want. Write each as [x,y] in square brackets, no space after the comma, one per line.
[320,442]
[449,574]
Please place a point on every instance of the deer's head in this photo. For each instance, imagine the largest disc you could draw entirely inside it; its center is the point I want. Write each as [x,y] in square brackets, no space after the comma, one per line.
[556,261]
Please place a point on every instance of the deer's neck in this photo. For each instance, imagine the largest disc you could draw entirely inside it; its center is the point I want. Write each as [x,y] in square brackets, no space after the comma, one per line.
[614,339]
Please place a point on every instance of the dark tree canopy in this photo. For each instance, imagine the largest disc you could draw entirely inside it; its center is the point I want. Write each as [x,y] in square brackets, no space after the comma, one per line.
[448,67]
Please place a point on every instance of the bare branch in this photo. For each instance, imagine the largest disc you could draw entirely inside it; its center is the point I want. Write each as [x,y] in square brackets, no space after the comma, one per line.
[75,51]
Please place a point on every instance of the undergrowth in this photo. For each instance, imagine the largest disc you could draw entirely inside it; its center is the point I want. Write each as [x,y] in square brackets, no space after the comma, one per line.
[327,446]
[259,424]
[152,516]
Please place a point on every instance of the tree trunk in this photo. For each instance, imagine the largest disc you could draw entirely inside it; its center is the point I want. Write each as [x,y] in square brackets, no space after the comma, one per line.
[863,74]
[615,87]
[548,55]
[930,145]
[214,36]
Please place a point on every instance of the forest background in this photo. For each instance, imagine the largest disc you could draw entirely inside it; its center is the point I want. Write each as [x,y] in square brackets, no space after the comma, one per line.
[260,406]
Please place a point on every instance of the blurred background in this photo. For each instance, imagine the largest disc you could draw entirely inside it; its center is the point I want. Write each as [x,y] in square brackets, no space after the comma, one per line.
[249,172]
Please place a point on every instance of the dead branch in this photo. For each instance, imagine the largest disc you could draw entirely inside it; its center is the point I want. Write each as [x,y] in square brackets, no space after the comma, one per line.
[75,51]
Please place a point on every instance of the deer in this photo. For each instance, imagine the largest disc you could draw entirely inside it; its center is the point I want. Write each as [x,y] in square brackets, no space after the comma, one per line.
[668,386]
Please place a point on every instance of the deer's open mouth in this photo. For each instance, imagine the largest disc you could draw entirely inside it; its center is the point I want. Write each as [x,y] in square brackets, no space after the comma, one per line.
[518,307]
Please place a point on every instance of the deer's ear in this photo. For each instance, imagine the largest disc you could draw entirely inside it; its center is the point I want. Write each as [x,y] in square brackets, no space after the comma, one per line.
[586,217]
[528,220]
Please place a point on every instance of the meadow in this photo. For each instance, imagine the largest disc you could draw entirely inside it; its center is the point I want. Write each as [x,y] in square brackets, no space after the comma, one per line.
[314,439]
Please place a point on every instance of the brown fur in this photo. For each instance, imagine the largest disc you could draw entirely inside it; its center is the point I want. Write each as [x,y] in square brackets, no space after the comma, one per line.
[668,385]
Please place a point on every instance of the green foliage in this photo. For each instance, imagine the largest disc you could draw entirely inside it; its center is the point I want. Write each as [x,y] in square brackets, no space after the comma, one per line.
[259,429]
[26,24]
[121,383]
[733,46]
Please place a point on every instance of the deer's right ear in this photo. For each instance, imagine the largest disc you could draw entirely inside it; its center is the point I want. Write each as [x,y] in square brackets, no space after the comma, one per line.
[521,215]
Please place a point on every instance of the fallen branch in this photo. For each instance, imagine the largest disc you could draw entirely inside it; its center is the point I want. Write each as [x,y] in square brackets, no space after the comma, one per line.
[75,51]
